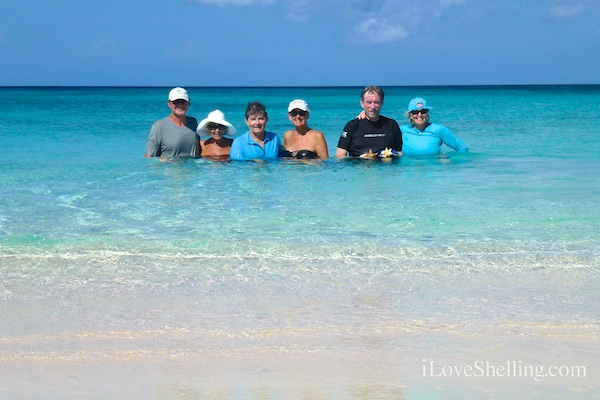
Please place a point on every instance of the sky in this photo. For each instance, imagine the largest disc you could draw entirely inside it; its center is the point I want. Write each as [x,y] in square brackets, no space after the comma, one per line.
[298,43]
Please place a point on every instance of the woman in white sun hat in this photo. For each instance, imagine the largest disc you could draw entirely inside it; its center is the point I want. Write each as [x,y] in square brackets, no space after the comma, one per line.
[216,126]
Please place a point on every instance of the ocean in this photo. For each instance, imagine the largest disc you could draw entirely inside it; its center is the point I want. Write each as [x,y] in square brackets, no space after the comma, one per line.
[457,276]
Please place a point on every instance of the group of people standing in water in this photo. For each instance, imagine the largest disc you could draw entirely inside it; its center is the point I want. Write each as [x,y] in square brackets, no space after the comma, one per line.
[369,135]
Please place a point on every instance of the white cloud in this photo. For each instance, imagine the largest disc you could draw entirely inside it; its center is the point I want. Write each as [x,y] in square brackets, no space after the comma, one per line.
[381,31]
[235,3]
[388,21]
[298,11]
[566,11]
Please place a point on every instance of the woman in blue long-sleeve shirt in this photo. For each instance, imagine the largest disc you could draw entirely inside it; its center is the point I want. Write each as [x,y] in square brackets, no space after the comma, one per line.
[421,137]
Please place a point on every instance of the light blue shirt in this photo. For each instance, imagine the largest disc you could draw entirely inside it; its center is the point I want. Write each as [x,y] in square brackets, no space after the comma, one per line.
[429,141]
[244,147]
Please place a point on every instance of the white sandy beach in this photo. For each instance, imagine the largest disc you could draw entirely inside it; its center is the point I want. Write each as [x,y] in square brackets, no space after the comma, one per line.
[389,361]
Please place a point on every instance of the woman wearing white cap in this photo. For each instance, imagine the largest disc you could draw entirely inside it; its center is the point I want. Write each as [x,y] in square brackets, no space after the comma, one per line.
[303,142]
[215,125]
[421,137]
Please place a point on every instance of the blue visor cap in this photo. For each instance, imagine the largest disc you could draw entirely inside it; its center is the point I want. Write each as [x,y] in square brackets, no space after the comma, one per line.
[418,103]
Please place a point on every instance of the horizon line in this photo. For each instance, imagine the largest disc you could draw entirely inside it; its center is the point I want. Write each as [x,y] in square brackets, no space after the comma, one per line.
[298,87]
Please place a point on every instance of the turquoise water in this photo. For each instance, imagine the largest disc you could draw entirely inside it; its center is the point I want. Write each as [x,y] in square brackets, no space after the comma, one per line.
[94,237]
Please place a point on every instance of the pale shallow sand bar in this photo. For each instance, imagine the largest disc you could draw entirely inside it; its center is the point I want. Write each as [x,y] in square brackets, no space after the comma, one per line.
[391,361]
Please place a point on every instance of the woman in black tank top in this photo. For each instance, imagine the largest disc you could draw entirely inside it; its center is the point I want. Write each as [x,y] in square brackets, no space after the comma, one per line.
[303,142]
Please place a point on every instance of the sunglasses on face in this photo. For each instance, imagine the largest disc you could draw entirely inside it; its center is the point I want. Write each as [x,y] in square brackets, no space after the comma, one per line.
[416,112]
[179,102]
[214,127]
[294,113]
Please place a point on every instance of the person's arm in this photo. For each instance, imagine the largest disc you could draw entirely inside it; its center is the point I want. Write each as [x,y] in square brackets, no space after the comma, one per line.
[399,139]
[345,141]
[153,143]
[450,140]
[286,135]
[321,146]
[341,153]
[236,151]
[279,146]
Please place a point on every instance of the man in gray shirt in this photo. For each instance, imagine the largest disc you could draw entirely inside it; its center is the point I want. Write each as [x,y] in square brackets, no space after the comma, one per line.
[175,135]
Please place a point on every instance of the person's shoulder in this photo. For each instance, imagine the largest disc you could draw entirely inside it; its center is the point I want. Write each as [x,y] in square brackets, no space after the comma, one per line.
[388,120]
[161,121]
[271,135]
[388,123]
[237,144]
[435,127]
[191,122]
[353,123]
[160,125]
[317,133]
[241,138]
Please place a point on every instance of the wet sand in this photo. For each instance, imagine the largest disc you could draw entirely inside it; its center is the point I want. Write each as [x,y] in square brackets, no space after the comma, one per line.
[389,361]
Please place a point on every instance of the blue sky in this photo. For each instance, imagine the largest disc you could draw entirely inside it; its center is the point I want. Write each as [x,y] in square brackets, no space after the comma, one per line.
[298,43]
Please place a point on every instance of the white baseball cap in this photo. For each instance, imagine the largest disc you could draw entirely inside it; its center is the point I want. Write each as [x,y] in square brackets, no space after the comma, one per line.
[299,104]
[178,93]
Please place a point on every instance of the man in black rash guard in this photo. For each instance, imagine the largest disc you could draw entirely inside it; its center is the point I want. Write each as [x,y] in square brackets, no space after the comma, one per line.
[367,137]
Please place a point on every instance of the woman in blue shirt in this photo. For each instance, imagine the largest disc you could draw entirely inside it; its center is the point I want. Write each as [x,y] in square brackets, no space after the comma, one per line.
[421,137]
[256,143]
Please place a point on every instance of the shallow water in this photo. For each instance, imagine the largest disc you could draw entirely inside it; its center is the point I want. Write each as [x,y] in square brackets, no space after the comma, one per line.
[108,258]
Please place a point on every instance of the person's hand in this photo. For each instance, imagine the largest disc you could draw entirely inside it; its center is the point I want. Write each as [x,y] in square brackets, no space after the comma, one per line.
[388,153]
[362,115]
[370,154]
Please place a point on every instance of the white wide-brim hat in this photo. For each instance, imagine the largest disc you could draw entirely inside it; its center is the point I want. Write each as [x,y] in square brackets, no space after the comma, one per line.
[216,117]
